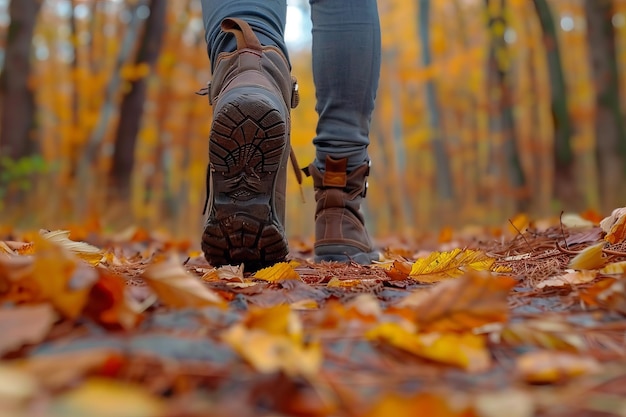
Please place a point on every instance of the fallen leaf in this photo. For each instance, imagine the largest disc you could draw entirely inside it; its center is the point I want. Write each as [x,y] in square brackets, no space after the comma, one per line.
[519,224]
[615,226]
[108,398]
[614,297]
[270,352]
[546,367]
[547,334]
[465,350]
[5,249]
[615,268]
[61,278]
[62,370]
[466,303]
[177,288]
[16,389]
[399,270]
[422,404]
[278,272]
[570,278]
[83,250]
[575,221]
[589,258]
[110,302]
[507,402]
[23,325]
[441,265]
[228,273]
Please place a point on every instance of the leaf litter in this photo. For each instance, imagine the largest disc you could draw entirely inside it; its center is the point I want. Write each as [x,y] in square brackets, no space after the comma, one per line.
[529,322]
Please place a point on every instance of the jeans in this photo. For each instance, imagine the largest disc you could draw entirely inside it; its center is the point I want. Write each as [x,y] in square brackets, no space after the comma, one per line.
[346,63]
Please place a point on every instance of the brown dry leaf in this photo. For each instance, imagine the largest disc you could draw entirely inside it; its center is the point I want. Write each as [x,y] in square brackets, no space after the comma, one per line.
[278,272]
[108,398]
[465,350]
[61,278]
[422,404]
[228,273]
[344,283]
[466,303]
[62,370]
[83,250]
[547,334]
[589,258]
[442,265]
[177,288]
[570,278]
[615,226]
[24,325]
[546,367]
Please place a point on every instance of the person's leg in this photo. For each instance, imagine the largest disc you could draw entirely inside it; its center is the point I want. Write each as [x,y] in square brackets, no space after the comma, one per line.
[346,70]
[251,92]
[266,18]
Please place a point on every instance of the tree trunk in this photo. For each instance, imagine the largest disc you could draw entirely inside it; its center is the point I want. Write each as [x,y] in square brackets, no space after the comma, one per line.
[502,122]
[18,99]
[564,183]
[610,132]
[443,174]
[131,109]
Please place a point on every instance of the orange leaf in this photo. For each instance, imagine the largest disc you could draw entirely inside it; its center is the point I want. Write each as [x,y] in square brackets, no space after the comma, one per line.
[422,404]
[466,303]
[61,277]
[110,302]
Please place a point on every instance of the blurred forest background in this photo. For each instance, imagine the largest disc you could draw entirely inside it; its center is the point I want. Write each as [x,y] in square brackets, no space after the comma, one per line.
[486,109]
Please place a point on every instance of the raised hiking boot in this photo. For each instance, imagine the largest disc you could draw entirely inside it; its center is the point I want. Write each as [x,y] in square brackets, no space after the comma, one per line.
[251,92]
[340,233]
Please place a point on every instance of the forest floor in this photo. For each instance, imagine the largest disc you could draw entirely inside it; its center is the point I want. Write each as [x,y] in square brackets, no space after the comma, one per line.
[529,322]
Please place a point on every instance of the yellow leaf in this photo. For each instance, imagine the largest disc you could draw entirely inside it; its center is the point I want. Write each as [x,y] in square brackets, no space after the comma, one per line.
[277,272]
[344,283]
[615,268]
[269,353]
[589,258]
[570,278]
[469,302]
[83,250]
[551,366]
[277,320]
[441,265]
[177,288]
[465,350]
[109,398]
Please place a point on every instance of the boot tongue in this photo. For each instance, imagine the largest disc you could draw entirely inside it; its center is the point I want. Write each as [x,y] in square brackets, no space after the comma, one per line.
[335,174]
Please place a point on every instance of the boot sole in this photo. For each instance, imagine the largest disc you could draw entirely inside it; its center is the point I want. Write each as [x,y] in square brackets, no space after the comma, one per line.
[247,148]
[344,254]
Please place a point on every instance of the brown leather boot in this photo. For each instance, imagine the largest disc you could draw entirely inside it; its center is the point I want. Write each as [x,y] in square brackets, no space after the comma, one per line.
[251,92]
[340,233]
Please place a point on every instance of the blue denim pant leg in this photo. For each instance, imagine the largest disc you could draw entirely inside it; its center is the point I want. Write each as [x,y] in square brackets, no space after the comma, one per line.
[346,63]
[346,70]
[266,18]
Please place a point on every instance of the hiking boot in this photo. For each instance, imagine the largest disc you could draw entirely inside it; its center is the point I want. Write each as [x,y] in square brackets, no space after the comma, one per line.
[251,92]
[340,233]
